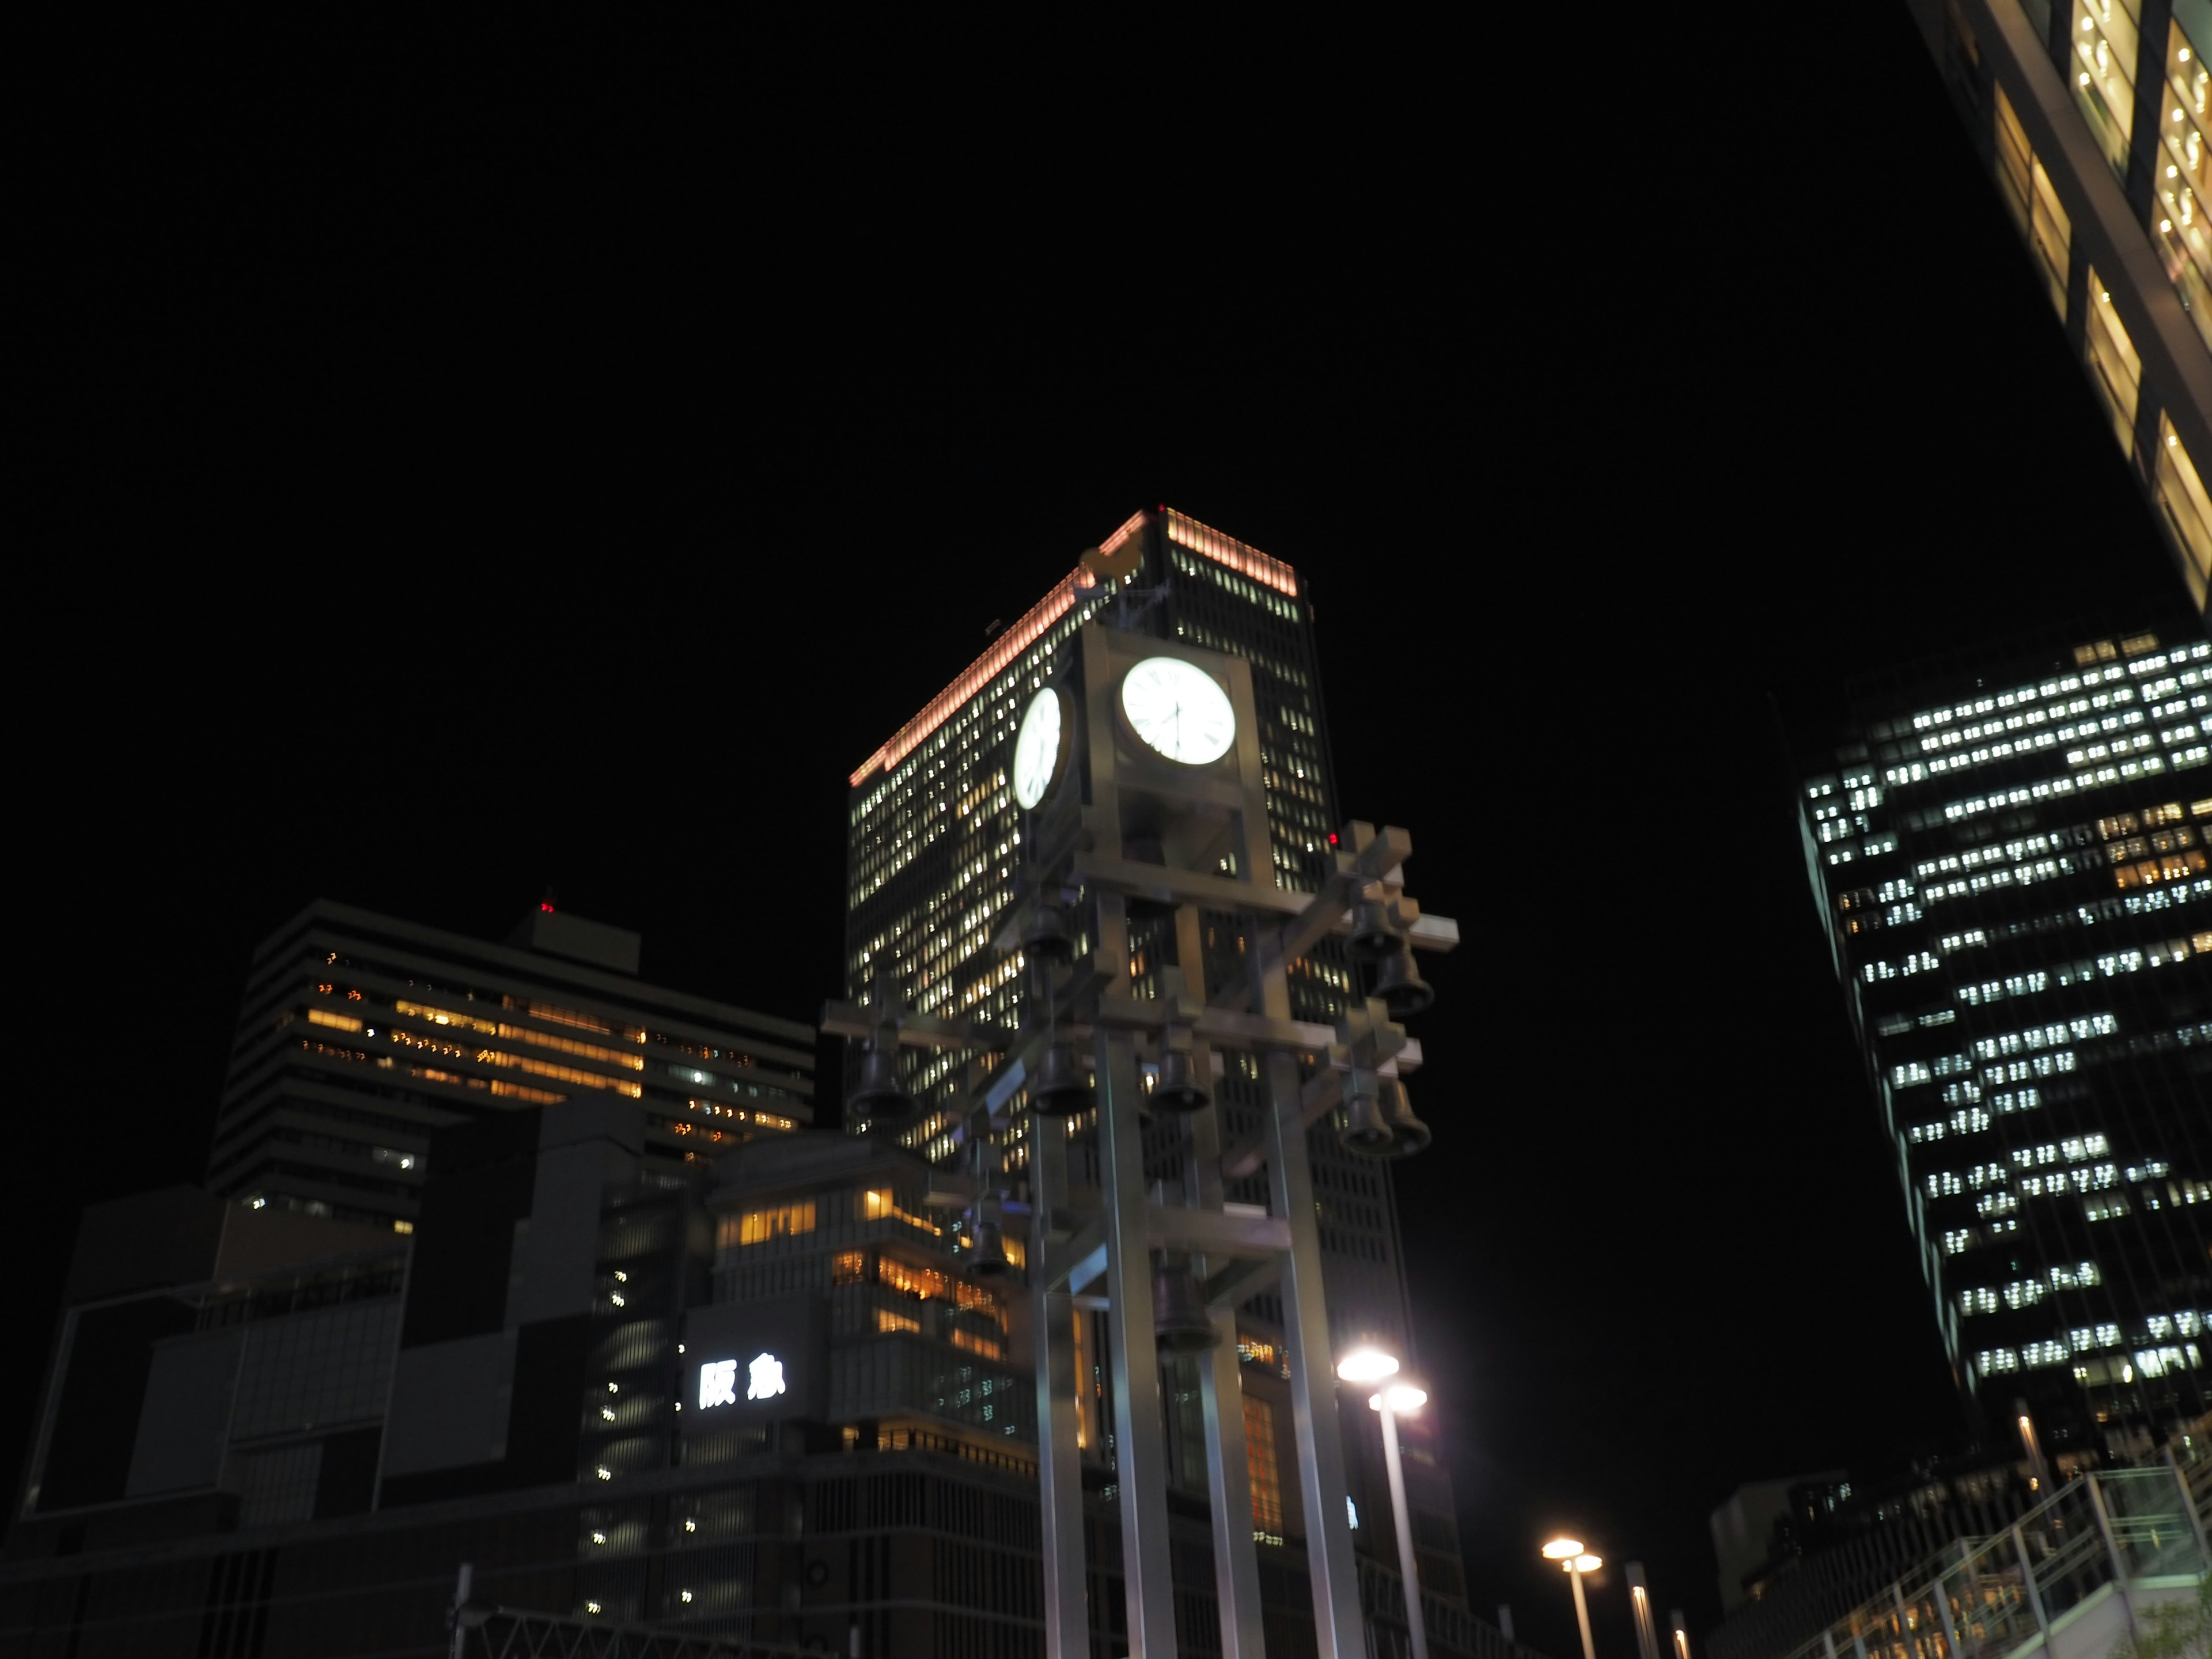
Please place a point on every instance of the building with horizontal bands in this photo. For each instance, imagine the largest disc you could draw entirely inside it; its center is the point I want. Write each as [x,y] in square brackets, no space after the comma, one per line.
[359,1036]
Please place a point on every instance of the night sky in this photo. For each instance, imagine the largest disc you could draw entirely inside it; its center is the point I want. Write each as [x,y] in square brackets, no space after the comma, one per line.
[470,464]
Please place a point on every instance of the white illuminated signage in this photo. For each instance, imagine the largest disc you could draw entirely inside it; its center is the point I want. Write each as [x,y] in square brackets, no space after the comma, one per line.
[718,1384]
[718,1381]
[767,1379]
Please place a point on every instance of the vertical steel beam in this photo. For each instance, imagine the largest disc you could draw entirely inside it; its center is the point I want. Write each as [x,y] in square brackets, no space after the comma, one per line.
[1060,1467]
[1338,1625]
[1220,1387]
[1140,1460]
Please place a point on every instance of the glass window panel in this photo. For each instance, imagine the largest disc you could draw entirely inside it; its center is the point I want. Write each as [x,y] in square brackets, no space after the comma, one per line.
[2114,368]
[2183,184]
[2181,494]
[2015,159]
[2052,233]
[2104,41]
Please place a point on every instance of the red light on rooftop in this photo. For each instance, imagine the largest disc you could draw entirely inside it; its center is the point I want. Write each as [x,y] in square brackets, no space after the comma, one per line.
[1332,838]
[547,904]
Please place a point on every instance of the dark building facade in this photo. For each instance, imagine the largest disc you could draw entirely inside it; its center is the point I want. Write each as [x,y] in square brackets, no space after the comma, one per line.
[763,1401]
[359,1036]
[2010,860]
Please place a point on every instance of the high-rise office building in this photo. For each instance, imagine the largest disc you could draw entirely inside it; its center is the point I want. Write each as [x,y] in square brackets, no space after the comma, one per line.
[935,838]
[359,1035]
[2094,118]
[2010,860]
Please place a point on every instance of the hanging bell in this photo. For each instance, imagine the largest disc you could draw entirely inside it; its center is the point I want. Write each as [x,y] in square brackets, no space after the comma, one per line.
[1180,1321]
[1060,1089]
[1364,1132]
[986,1254]
[878,1095]
[1045,936]
[1178,1088]
[1408,1134]
[1373,938]
[1400,984]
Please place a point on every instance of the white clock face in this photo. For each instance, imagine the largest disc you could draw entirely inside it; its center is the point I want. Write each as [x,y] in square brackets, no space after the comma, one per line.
[1179,709]
[1036,749]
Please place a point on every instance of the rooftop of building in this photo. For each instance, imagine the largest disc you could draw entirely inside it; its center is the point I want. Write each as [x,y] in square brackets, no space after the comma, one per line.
[1182,529]
[550,947]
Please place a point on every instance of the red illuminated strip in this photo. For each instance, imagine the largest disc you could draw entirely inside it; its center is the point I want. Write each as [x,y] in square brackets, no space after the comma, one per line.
[1227,550]
[1222,549]
[1011,645]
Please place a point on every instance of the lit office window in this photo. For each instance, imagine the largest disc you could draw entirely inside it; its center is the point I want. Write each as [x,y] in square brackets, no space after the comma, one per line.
[2105,36]
[2115,370]
[2184,179]
[2026,191]
[2181,493]
[1259,1454]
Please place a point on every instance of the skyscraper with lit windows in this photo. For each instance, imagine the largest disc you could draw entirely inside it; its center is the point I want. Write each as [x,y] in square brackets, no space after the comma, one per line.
[934,836]
[2010,861]
[359,1035]
[2094,118]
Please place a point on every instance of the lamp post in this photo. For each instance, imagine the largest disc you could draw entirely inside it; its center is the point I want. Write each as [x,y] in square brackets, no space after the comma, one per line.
[1394,1400]
[1569,1554]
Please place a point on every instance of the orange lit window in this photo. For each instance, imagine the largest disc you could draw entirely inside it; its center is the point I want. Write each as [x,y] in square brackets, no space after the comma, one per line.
[1259,1454]
[336,1022]
[880,1204]
[563,1074]
[888,1321]
[447,1016]
[2124,825]
[758,1226]
[925,1283]
[848,1266]
[522,1092]
[974,1342]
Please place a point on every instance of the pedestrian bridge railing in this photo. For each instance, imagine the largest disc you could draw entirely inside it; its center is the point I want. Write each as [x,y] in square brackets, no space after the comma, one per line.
[2069,1580]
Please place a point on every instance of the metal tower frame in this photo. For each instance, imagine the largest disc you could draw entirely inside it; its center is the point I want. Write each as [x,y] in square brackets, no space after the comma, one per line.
[1093,1247]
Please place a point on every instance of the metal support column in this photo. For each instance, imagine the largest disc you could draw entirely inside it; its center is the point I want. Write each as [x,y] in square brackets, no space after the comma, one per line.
[1060,1465]
[1220,1385]
[2028,1583]
[2120,1578]
[1338,1627]
[1140,1460]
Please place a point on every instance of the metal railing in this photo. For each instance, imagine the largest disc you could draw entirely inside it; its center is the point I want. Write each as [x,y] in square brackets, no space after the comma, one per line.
[2005,1595]
[518,1633]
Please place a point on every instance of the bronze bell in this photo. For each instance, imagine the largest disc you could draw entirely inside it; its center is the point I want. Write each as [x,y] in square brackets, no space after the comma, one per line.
[1409,1134]
[1045,937]
[1400,984]
[1365,1131]
[878,1095]
[1178,1088]
[987,1252]
[1180,1321]
[1373,938]
[1060,1089]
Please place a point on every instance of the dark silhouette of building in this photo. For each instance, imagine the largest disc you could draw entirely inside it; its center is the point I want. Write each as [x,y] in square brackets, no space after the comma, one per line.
[766,1398]
[360,1035]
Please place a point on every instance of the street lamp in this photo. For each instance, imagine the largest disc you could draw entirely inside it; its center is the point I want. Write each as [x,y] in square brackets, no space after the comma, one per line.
[1569,1554]
[1394,1400]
